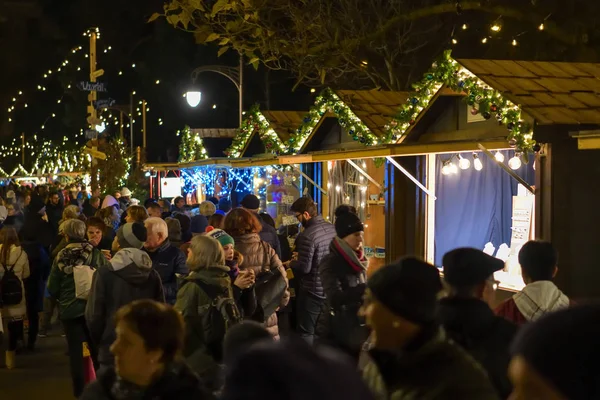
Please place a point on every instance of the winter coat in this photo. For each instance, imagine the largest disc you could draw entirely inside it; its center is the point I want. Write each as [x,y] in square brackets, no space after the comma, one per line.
[244,298]
[434,369]
[61,284]
[260,257]
[190,300]
[88,210]
[54,213]
[39,267]
[177,382]
[312,245]
[344,288]
[17,258]
[36,228]
[128,277]
[535,300]
[269,234]
[472,324]
[168,261]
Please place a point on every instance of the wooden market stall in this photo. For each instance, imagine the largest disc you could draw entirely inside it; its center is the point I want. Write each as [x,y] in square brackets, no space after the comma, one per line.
[344,122]
[564,100]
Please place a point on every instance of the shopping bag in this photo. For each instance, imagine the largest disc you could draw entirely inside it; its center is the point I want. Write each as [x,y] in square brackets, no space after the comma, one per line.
[83,274]
[89,373]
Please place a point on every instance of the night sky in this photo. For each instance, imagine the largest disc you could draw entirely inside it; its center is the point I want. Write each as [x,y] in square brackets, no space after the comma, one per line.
[38,35]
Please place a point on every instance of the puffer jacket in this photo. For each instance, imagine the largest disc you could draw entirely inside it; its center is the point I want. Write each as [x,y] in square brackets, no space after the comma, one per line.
[169,262]
[431,369]
[61,284]
[312,245]
[17,258]
[191,300]
[127,278]
[260,257]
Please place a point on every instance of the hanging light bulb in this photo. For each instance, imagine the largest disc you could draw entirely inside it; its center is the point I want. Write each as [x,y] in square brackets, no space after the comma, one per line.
[453,168]
[496,28]
[515,162]
[465,27]
[477,164]
[446,169]
[514,42]
[484,40]
[499,157]
[463,163]
[541,27]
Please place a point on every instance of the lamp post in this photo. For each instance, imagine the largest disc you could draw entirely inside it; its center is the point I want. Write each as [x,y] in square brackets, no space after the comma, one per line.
[234,74]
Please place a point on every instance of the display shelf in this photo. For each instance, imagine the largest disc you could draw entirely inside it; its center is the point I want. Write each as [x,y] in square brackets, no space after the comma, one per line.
[376,203]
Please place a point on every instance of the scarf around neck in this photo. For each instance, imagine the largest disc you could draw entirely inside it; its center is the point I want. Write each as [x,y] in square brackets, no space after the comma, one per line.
[357,260]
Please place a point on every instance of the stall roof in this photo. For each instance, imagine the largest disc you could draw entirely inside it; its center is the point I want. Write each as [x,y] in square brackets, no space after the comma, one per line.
[215,133]
[284,123]
[160,166]
[375,108]
[551,92]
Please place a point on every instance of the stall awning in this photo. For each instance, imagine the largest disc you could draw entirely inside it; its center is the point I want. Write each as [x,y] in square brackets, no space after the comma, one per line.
[160,166]
[396,150]
[551,92]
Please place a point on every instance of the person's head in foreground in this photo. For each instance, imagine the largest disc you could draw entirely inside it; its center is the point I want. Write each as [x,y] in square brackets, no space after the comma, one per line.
[539,261]
[556,357]
[292,370]
[401,302]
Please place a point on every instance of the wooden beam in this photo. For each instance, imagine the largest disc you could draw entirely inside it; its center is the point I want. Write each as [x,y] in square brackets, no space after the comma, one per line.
[507,169]
[297,159]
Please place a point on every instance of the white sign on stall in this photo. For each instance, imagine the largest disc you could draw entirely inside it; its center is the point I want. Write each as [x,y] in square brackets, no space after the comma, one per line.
[170,187]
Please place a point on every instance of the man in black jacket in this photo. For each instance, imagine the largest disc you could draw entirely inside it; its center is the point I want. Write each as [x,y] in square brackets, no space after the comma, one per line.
[312,245]
[54,211]
[167,260]
[128,277]
[268,233]
[468,319]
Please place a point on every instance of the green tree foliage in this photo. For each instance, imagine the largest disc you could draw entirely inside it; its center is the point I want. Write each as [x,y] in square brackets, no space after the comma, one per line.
[114,171]
[191,147]
[377,43]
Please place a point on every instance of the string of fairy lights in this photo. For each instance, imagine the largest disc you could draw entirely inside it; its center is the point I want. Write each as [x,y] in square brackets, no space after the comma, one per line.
[494,31]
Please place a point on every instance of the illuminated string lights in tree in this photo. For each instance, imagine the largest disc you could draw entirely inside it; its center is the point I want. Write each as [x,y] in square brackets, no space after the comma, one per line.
[191,147]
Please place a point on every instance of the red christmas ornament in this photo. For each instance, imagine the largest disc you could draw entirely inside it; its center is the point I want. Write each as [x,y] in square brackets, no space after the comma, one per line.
[412,122]
[474,111]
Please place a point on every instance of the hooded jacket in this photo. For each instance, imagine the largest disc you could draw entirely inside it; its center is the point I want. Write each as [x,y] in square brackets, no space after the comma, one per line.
[127,278]
[169,262]
[177,382]
[61,284]
[312,246]
[17,258]
[435,369]
[534,301]
[471,323]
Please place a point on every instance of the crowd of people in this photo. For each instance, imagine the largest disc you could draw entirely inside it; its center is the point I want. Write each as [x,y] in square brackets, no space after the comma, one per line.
[168,300]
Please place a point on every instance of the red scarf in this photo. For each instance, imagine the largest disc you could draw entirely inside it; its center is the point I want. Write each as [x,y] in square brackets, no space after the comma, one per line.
[356,259]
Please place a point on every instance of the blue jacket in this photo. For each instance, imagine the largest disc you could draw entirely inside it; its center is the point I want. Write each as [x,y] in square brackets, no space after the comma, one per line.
[312,245]
[168,261]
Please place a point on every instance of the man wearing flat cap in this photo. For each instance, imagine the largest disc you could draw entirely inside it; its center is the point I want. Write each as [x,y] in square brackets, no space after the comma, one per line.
[468,319]
[411,357]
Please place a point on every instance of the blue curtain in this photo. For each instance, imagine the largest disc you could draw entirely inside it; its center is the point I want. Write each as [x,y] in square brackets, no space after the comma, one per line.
[475,207]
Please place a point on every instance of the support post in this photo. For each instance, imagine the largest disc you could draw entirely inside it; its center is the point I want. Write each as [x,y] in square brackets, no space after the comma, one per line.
[241,100]
[23,148]
[131,122]
[144,124]
[92,98]
[412,178]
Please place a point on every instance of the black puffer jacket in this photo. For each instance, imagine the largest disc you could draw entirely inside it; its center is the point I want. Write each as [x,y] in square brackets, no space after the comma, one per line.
[178,382]
[169,262]
[312,246]
[472,324]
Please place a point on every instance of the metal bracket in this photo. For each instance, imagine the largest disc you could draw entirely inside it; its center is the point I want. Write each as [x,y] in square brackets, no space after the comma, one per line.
[231,73]
[412,178]
[310,180]
[363,173]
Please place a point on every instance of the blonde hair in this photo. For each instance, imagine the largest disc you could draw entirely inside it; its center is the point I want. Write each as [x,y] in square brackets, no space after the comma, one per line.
[206,252]
[137,213]
[207,208]
[70,212]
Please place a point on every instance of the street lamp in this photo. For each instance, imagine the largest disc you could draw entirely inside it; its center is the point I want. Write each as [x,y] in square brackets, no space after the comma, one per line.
[193,98]
[234,74]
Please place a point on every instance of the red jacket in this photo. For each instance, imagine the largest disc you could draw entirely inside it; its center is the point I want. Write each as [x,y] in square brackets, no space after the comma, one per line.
[510,311]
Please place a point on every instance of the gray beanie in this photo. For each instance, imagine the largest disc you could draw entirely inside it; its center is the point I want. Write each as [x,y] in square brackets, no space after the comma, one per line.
[132,235]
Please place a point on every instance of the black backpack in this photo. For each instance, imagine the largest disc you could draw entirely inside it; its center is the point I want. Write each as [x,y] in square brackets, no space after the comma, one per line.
[218,318]
[11,289]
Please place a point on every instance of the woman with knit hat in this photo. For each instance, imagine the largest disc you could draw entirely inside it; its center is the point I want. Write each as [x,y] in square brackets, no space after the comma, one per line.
[343,274]
[242,281]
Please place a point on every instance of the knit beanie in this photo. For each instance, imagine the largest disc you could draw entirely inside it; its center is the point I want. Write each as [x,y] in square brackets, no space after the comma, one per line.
[221,236]
[408,288]
[132,235]
[563,348]
[348,223]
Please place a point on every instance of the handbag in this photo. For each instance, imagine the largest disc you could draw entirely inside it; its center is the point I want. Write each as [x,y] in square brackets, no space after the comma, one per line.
[347,329]
[83,274]
[270,288]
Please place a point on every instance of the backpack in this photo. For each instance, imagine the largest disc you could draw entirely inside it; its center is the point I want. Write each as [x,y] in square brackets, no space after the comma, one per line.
[11,289]
[217,318]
